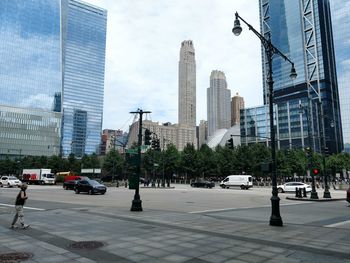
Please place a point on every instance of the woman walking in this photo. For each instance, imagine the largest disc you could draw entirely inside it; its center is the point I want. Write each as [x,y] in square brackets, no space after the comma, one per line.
[20,200]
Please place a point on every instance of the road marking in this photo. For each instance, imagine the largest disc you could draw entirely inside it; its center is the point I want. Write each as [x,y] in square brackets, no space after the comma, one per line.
[338,224]
[247,207]
[26,207]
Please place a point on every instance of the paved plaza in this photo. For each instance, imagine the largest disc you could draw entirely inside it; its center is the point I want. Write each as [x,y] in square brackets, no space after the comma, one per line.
[104,234]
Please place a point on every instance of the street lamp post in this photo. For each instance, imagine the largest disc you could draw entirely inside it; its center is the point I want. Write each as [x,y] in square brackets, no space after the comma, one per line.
[270,50]
[136,202]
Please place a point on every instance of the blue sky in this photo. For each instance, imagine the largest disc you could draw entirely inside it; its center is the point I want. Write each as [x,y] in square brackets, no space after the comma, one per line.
[142,55]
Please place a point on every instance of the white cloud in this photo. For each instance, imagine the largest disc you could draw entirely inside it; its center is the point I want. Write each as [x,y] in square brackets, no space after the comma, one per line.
[143,45]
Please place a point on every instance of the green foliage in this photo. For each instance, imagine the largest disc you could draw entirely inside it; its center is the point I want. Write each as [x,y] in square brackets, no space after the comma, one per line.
[113,163]
[191,162]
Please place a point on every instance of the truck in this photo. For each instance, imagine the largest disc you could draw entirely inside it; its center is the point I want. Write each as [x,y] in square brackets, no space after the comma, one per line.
[38,176]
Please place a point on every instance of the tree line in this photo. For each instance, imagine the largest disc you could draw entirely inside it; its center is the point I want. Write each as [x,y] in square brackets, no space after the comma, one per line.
[189,163]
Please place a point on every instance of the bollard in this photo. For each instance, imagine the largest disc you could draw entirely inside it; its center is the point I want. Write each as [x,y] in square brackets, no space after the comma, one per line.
[304,192]
[158,181]
[117,184]
[296,192]
[126,184]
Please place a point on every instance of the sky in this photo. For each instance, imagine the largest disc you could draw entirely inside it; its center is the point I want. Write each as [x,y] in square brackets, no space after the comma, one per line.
[143,49]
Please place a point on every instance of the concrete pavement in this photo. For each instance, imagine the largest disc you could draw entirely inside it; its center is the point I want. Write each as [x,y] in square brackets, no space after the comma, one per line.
[102,234]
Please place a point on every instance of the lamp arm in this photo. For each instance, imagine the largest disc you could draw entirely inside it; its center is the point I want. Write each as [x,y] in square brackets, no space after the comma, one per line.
[267,43]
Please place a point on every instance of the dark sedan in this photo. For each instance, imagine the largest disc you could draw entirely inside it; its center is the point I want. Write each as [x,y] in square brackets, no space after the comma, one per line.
[202,183]
[70,184]
[90,186]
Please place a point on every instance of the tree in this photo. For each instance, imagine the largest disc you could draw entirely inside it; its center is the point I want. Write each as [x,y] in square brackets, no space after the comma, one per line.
[113,164]
[206,161]
[171,160]
[188,161]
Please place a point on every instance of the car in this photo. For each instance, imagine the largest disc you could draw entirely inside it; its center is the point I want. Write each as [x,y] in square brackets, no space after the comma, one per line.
[203,183]
[290,187]
[348,195]
[70,184]
[10,181]
[90,186]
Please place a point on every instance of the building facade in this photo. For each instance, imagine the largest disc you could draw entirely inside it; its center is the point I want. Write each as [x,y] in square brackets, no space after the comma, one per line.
[237,104]
[187,84]
[202,133]
[113,139]
[167,133]
[302,30]
[218,103]
[341,34]
[30,77]
[291,120]
[53,70]
[83,43]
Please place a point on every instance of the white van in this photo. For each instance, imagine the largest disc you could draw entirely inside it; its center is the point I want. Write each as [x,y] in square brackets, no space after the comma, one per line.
[243,181]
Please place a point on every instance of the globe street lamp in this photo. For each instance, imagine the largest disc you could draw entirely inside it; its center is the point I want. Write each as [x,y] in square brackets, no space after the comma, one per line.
[270,50]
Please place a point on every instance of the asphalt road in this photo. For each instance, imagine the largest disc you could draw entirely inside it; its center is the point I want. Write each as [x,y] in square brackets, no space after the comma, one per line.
[233,204]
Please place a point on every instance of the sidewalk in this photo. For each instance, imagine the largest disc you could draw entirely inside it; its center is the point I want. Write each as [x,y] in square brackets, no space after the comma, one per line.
[101,235]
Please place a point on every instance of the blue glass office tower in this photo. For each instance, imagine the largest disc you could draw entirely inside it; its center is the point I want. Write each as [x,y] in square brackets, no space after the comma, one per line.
[83,42]
[51,77]
[302,30]
[340,11]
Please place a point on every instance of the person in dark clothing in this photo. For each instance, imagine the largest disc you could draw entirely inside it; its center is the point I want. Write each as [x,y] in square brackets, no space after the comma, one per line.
[20,200]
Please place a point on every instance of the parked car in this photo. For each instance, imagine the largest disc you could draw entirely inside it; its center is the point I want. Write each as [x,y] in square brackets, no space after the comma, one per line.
[69,185]
[10,181]
[90,187]
[203,183]
[290,187]
[348,195]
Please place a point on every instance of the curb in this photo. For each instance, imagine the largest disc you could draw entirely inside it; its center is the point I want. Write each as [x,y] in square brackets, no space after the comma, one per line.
[315,200]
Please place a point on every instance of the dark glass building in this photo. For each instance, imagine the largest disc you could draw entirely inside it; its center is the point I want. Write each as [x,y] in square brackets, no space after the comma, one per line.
[52,77]
[302,30]
[340,11]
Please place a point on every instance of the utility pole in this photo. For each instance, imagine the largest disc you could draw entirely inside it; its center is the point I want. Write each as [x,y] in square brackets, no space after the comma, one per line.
[137,203]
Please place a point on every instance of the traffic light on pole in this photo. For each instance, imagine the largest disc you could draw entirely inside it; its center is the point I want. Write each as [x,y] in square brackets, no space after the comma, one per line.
[230,143]
[148,137]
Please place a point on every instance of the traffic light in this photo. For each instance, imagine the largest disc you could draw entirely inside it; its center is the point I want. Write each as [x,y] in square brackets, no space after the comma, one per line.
[230,143]
[156,144]
[308,152]
[315,171]
[148,137]
[326,151]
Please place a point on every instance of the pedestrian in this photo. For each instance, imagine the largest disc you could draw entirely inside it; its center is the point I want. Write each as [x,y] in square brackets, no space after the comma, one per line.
[20,200]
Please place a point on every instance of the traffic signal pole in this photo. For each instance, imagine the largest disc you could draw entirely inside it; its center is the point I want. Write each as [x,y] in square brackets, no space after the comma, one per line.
[137,203]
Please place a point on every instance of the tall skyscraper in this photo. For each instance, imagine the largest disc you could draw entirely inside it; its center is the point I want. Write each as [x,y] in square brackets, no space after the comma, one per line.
[83,42]
[237,104]
[52,81]
[340,11]
[219,103]
[302,31]
[187,84]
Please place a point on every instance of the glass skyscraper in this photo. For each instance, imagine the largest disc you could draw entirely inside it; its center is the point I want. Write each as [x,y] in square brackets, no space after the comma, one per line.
[302,30]
[52,66]
[340,11]
[84,41]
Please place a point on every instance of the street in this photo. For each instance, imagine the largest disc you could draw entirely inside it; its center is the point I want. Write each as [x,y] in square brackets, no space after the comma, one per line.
[234,203]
